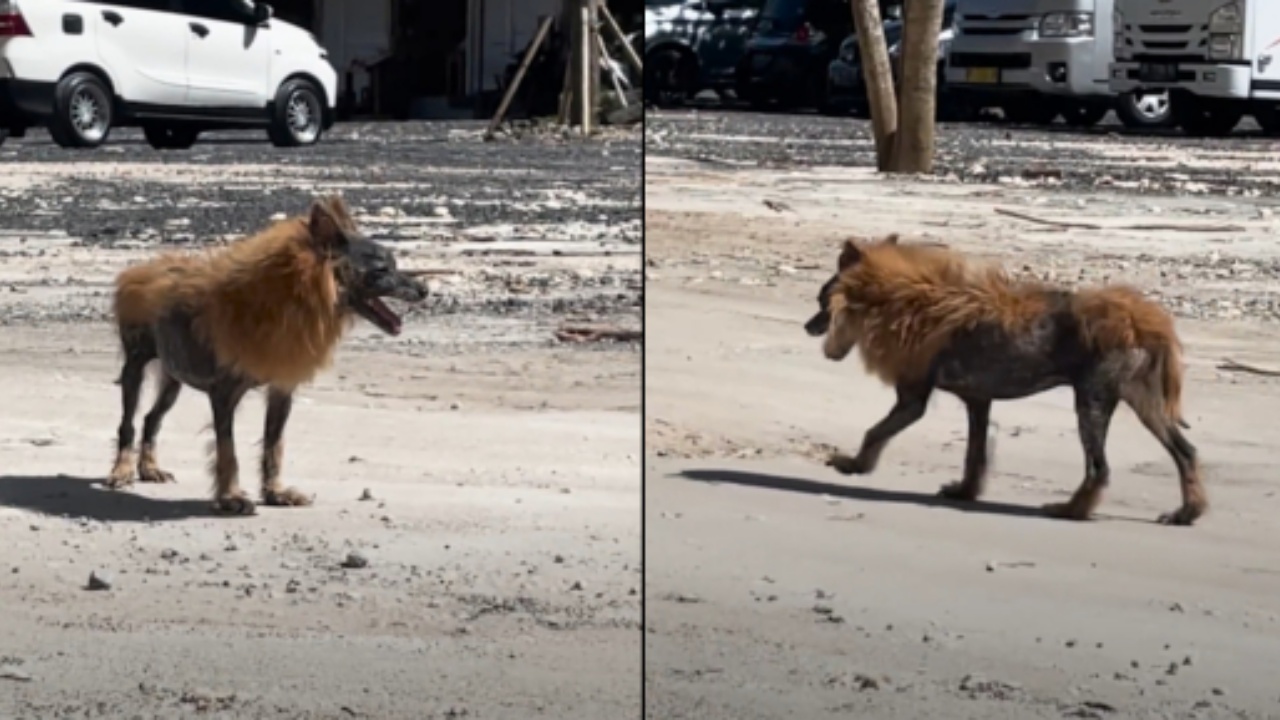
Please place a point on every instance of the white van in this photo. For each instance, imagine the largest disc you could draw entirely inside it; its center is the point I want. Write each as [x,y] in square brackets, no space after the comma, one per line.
[173,67]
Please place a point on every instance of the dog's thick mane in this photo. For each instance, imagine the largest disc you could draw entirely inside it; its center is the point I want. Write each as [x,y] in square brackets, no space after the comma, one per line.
[269,305]
[908,300]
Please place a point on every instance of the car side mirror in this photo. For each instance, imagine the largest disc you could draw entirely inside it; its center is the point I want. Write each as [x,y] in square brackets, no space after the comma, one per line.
[262,12]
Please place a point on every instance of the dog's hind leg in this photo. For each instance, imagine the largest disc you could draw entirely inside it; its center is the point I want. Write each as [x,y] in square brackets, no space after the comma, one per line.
[1096,402]
[975,458]
[131,377]
[913,401]
[148,470]
[229,499]
[279,404]
[1194,502]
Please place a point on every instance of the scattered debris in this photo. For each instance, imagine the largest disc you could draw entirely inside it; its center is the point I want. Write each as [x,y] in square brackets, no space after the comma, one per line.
[588,334]
[100,580]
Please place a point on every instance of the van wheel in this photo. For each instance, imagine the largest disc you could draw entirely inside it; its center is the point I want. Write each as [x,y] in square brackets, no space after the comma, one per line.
[82,112]
[1142,111]
[170,137]
[298,117]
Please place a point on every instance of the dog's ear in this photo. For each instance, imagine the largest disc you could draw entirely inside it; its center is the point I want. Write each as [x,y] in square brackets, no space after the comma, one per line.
[849,256]
[326,228]
[338,208]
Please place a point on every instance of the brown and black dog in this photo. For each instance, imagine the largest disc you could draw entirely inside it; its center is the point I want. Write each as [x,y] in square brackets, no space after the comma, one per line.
[925,318]
[268,310]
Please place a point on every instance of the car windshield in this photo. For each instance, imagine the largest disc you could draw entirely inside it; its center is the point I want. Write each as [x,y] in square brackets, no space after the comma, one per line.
[788,9]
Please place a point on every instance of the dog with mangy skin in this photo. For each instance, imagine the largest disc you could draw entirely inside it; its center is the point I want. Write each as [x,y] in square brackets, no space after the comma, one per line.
[926,318]
[266,311]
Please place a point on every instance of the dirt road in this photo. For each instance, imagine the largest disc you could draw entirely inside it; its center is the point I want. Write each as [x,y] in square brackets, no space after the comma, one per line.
[474,549]
[777,588]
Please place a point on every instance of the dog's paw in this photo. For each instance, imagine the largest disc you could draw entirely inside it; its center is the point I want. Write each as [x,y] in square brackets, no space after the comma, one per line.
[153,475]
[234,504]
[287,497]
[1184,516]
[120,478]
[846,465]
[958,491]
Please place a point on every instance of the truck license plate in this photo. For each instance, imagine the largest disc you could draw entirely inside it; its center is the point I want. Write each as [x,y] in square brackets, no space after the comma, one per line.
[1162,72]
[988,76]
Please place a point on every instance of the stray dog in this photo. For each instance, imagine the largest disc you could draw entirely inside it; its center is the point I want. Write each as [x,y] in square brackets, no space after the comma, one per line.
[924,317]
[268,310]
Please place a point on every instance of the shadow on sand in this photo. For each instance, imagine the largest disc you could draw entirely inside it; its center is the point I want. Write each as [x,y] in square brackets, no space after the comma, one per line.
[87,497]
[864,494]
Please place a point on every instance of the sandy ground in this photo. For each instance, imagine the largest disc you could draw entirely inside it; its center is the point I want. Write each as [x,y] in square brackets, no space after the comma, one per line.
[474,549]
[777,588]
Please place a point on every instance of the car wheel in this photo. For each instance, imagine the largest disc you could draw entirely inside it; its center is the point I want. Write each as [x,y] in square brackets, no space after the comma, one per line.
[170,137]
[298,118]
[82,112]
[1144,111]
[1198,118]
[1084,115]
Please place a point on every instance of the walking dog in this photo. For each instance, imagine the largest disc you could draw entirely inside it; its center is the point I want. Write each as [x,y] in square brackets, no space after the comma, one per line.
[926,318]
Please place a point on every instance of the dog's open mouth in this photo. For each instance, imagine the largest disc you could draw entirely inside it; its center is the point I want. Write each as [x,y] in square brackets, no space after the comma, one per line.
[377,312]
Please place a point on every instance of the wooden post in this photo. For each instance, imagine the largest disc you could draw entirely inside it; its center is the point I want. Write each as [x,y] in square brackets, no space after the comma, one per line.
[629,51]
[529,55]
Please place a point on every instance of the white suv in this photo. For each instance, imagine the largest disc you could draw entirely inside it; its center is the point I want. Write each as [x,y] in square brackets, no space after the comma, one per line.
[173,67]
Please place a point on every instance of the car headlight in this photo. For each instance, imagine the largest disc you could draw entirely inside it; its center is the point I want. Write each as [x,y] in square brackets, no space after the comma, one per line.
[1225,46]
[1226,20]
[1066,25]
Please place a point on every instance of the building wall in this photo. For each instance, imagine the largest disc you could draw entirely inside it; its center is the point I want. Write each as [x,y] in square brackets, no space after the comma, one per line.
[497,31]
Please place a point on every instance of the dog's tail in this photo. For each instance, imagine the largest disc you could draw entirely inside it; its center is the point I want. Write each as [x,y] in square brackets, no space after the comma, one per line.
[1118,319]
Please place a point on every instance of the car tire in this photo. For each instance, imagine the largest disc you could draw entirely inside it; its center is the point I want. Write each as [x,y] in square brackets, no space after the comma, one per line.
[82,111]
[297,119]
[1084,115]
[1147,111]
[170,137]
[1198,118]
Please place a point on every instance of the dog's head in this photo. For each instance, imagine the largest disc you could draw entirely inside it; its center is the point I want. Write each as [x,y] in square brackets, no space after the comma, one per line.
[365,270]
[841,331]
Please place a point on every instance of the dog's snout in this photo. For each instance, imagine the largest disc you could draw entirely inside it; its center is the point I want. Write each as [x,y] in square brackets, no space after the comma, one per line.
[817,325]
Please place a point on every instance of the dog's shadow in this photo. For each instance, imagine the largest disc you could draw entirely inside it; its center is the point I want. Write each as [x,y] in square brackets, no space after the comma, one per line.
[862,494]
[59,495]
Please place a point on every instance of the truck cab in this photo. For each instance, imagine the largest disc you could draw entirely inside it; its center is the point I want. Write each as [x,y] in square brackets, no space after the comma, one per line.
[1041,59]
[1216,58]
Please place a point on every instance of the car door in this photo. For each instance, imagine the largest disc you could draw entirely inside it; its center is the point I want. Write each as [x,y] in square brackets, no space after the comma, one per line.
[142,44]
[228,55]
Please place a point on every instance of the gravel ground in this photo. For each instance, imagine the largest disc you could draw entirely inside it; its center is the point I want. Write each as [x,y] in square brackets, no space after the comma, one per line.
[778,588]
[474,550]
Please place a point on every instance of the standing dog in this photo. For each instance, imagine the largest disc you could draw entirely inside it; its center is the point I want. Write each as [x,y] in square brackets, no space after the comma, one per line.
[925,318]
[268,310]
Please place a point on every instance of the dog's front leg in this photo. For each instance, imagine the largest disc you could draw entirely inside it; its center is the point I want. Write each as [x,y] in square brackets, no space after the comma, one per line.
[975,456]
[228,497]
[913,400]
[279,404]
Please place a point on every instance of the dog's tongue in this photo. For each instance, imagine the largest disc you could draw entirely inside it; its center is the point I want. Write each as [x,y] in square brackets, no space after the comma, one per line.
[380,309]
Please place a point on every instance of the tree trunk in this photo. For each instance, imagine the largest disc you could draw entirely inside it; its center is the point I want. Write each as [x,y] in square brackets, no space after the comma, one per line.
[878,76]
[914,143]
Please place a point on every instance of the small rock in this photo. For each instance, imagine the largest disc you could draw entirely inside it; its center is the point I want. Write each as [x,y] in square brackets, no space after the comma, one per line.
[366,496]
[100,580]
[355,561]
[576,586]
[1218,691]
[455,405]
